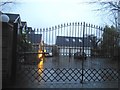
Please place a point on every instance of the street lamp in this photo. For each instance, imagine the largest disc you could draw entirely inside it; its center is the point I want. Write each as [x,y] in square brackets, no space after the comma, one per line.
[4,18]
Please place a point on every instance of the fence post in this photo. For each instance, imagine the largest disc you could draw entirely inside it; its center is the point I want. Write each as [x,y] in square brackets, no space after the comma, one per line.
[14,48]
[83,52]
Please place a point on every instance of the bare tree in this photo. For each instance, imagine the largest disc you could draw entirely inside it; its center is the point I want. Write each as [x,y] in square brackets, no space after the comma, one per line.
[113,7]
[6,4]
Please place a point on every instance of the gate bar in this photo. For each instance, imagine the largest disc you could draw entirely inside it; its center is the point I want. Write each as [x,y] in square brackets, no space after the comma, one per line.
[83,52]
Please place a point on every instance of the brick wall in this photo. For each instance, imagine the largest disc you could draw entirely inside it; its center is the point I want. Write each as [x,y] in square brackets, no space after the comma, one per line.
[0,55]
[7,41]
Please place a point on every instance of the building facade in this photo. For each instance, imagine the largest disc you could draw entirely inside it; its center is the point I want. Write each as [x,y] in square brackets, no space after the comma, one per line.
[68,46]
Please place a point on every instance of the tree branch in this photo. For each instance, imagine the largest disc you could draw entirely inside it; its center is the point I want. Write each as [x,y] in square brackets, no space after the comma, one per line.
[4,3]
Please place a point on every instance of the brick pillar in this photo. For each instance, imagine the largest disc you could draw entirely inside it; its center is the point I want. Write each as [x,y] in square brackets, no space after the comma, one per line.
[7,33]
[14,54]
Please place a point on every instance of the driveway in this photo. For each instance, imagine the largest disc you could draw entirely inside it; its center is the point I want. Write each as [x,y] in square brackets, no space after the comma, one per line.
[29,76]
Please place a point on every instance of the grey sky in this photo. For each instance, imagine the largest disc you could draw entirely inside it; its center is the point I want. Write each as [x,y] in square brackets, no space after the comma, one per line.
[47,13]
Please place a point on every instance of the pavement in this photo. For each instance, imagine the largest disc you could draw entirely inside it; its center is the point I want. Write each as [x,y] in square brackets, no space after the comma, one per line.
[67,85]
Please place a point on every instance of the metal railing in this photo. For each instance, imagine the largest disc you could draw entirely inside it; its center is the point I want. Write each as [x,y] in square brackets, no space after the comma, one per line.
[66,40]
[68,75]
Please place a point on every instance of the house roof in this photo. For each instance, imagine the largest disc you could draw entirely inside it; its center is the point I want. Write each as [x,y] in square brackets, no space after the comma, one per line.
[35,38]
[29,28]
[73,41]
[13,17]
[24,24]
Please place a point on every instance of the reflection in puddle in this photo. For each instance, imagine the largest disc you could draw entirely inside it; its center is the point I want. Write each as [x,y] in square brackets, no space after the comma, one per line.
[40,68]
[40,65]
[40,56]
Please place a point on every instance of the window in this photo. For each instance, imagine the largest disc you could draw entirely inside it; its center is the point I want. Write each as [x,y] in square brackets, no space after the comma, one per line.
[67,39]
[80,40]
[73,40]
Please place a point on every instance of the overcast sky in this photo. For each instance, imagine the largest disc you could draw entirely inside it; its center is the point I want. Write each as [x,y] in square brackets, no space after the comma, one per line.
[47,13]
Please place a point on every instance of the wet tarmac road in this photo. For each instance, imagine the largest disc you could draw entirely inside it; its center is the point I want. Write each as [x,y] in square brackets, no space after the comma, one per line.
[67,63]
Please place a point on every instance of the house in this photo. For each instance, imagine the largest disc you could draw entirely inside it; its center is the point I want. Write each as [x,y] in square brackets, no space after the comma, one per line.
[35,39]
[29,29]
[9,46]
[71,45]
[23,26]
[14,18]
